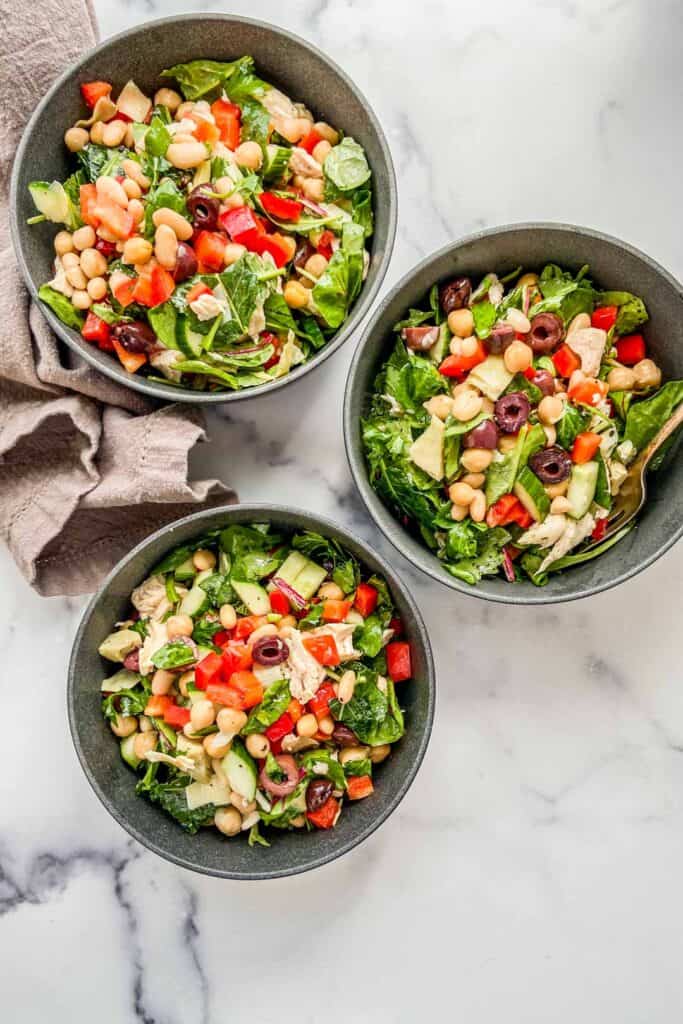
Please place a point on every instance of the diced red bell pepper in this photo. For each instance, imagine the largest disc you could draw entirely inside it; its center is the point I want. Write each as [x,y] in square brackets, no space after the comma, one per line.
[335,611]
[131,361]
[94,91]
[365,600]
[310,141]
[280,207]
[157,704]
[281,727]
[631,349]
[279,603]
[243,691]
[588,392]
[122,288]
[176,716]
[459,365]
[95,329]
[605,317]
[206,131]
[242,224]
[227,117]
[319,704]
[276,245]
[600,528]
[209,247]
[399,661]
[208,670]
[114,219]
[222,638]
[323,648]
[196,290]
[87,195]
[154,288]
[566,361]
[236,658]
[295,710]
[508,509]
[326,815]
[530,372]
[359,786]
[324,246]
[246,625]
[585,446]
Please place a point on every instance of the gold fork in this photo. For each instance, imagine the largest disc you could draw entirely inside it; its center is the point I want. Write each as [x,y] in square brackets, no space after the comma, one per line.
[632,492]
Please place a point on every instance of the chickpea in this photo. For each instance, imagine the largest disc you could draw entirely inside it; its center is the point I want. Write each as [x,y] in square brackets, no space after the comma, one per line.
[560,505]
[136,210]
[326,725]
[461,322]
[380,753]
[478,507]
[249,155]
[295,295]
[76,138]
[81,299]
[466,405]
[93,263]
[202,715]
[97,133]
[321,151]
[203,559]
[179,625]
[314,189]
[353,754]
[243,805]
[166,246]
[289,244]
[550,409]
[76,278]
[114,133]
[647,374]
[475,480]
[461,493]
[528,280]
[439,406]
[137,251]
[133,170]
[228,616]
[506,442]
[231,721]
[162,681]
[228,820]
[476,460]
[316,265]
[621,378]
[233,252]
[468,346]
[556,490]
[518,320]
[459,512]
[97,288]
[518,357]
[70,260]
[330,592]
[144,741]
[327,132]
[217,744]
[186,155]
[294,128]
[257,745]
[63,243]
[145,724]
[129,139]
[131,188]
[123,725]
[307,726]
[84,238]
[167,98]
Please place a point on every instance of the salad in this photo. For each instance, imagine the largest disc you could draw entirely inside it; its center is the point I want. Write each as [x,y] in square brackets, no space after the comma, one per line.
[255,681]
[212,237]
[504,421]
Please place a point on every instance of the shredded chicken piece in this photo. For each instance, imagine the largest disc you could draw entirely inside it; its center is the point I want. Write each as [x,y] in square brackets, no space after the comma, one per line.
[301,162]
[206,307]
[257,323]
[305,673]
[278,104]
[155,639]
[165,361]
[185,764]
[589,344]
[59,281]
[149,597]
[342,632]
[574,533]
[544,534]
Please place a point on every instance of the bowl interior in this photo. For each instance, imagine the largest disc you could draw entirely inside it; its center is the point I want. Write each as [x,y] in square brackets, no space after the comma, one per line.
[286,61]
[207,851]
[612,265]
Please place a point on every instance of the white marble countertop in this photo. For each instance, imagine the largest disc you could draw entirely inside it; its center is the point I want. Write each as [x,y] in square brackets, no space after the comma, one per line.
[530,875]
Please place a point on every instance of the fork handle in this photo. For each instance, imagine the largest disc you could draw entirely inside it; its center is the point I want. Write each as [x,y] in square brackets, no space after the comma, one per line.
[666,431]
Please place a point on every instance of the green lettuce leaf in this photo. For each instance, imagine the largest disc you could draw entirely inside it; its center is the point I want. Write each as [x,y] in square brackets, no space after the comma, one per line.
[644,419]
[61,307]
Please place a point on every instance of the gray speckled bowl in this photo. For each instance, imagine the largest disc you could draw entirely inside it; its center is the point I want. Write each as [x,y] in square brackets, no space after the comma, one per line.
[287,61]
[613,264]
[208,851]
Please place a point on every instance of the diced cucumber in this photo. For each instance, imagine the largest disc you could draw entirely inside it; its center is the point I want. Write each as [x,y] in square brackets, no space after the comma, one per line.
[189,342]
[199,794]
[253,595]
[531,493]
[121,680]
[53,202]
[275,163]
[309,579]
[291,567]
[240,770]
[440,347]
[581,490]
[196,601]
[127,746]
[202,175]
[185,571]
[491,376]
[224,563]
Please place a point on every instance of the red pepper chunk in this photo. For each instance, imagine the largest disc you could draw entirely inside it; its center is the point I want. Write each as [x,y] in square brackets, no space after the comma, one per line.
[236,657]
[243,691]
[319,704]
[324,246]
[585,446]
[335,611]
[208,670]
[228,120]
[97,330]
[281,727]
[246,626]
[209,247]
[588,392]
[154,289]
[508,509]
[94,91]
[176,716]
[566,361]
[310,141]
[600,528]
[275,245]
[279,603]
[359,786]
[323,648]
[157,704]
[326,815]
[280,207]
[241,224]
[399,660]
[605,317]
[459,365]
[631,349]
[365,600]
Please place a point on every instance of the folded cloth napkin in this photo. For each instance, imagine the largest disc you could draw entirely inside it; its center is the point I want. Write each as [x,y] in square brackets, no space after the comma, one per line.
[87,467]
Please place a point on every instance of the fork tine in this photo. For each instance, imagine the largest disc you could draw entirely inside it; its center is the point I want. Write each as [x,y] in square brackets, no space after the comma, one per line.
[614,519]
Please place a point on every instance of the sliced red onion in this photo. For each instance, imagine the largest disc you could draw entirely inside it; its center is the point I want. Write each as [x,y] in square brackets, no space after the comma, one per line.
[508,567]
[132,661]
[288,765]
[294,598]
[310,205]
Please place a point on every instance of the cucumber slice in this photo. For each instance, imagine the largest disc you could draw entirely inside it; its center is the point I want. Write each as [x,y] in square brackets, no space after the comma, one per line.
[253,595]
[189,342]
[309,579]
[240,770]
[127,751]
[186,571]
[199,794]
[291,567]
[531,493]
[581,490]
[196,601]
[440,347]
[53,202]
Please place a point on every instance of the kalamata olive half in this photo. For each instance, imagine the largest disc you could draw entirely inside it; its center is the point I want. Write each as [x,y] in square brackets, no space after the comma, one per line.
[287,765]
[344,736]
[135,337]
[500,338]
[185,263]
[419,339]
[546,333]
[318,792]
[204,209]
[270,650]
[512,412]
[544,381]
[551,465]
[485,435]
[455,294]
